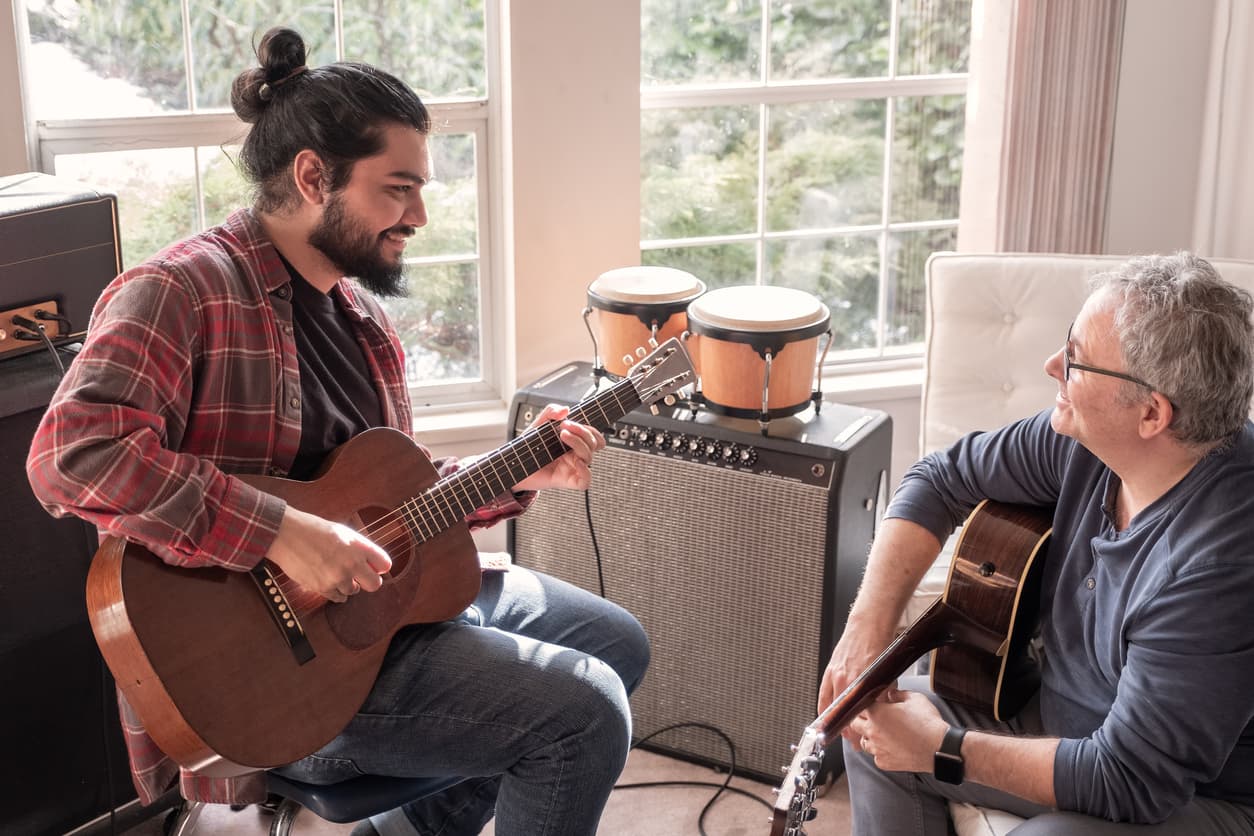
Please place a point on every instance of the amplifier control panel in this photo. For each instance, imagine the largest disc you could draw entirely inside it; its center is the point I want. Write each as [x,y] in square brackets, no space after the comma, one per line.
[808,447]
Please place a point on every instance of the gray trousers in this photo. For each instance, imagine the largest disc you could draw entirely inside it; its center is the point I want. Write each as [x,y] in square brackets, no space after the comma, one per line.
[910,804]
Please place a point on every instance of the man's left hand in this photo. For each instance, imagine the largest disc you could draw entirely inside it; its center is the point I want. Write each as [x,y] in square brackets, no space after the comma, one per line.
[902,730]
[573,469]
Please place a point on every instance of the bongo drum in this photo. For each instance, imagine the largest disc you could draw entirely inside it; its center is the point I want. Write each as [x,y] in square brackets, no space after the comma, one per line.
[755,349]
[633,305]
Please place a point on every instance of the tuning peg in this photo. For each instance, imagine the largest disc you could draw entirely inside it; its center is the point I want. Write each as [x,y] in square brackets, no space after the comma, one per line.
[652,342]
[640,352]
[628,359]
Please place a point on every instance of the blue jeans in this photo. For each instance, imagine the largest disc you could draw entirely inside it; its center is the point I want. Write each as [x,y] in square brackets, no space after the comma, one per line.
[524,697]
[910,804]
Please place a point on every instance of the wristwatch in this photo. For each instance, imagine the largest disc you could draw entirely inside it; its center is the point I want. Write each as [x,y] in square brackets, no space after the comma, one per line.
[947,763]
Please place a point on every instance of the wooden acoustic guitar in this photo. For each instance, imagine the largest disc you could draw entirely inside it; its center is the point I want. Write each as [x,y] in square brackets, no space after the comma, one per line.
[977,632]
[232,671]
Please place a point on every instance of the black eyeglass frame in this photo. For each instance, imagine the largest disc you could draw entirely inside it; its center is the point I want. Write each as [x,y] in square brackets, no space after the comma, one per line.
[1068,364]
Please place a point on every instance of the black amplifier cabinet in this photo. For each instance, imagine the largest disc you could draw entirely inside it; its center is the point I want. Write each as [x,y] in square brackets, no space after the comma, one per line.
[58,245]
[739,553]
[64,762]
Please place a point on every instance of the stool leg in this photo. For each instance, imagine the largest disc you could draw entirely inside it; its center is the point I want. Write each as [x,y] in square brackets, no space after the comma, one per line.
[185,819]
[284,818]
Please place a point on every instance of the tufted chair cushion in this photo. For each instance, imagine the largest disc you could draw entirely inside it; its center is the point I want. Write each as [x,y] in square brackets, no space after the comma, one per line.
[992,321]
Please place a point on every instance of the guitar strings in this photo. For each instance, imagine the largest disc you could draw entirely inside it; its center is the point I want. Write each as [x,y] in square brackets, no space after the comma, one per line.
[393,528]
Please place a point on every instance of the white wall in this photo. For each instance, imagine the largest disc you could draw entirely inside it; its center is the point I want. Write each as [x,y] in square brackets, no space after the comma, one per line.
[1159,121]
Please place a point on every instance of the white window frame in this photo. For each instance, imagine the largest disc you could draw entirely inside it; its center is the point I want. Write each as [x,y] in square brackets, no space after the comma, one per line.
[480,118]
[763,94]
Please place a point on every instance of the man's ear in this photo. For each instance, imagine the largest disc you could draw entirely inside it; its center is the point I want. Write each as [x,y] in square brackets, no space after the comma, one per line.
[308,174]
[1156,415]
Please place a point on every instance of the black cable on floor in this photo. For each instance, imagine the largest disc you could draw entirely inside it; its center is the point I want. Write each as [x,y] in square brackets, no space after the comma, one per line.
[721,788]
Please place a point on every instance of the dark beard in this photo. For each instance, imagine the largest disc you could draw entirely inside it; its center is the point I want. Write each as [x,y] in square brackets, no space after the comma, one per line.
[356,252]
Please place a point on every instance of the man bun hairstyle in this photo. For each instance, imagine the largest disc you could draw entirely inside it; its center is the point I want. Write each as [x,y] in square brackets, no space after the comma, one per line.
[339,111]
[1187,332]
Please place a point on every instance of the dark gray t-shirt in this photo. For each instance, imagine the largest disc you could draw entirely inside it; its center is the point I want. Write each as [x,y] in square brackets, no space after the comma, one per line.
[1148,633]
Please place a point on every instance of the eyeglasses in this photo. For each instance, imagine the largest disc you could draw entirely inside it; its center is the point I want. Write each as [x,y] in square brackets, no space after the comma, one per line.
[1068,364]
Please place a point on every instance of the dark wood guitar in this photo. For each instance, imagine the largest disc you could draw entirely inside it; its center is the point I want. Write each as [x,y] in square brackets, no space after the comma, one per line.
[977,632]
[232,672]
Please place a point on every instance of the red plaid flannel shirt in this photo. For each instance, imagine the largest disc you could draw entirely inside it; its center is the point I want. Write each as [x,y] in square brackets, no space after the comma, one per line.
[189,375]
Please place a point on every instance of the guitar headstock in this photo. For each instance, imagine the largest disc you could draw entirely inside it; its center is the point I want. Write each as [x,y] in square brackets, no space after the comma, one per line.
[662,373]
[794,804]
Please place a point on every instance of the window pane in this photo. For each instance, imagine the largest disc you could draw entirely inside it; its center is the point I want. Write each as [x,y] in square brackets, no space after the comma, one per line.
[119,58]
[829,39]
[436,46]
[439,322]
[700,41]
[452,199]
[825,164]
[156,194]
[721,265]
[224,36]
[927,158]
[907,255]
[934,36]
[224,187]
[699,171]
[843,271]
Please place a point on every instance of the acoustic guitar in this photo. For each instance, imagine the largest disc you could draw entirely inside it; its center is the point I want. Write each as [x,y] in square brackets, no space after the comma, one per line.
[233,672]
[977,632]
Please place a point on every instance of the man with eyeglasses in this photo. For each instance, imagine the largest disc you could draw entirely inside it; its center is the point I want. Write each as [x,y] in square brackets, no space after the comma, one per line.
[1144,722]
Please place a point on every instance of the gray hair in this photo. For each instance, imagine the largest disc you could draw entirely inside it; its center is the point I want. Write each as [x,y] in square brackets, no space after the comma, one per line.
[1186,331]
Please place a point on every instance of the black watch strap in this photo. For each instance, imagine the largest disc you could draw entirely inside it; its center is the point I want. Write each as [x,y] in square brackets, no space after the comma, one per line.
[947,763]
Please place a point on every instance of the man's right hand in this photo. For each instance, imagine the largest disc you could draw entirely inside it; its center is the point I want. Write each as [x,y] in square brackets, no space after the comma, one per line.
[328,558]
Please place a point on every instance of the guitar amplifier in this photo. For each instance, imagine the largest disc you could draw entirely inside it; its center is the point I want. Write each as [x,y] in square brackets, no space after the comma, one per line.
[739,553]
[58,249]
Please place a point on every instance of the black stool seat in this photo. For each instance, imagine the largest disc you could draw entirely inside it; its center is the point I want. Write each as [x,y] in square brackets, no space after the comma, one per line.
[347,801]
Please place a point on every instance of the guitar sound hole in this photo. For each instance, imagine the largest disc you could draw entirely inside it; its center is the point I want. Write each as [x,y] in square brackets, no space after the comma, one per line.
[390,533]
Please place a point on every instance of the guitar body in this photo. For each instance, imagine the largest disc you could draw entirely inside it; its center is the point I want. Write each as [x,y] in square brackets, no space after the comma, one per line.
[199,657]
[232,672]
[994,580]
[977,632]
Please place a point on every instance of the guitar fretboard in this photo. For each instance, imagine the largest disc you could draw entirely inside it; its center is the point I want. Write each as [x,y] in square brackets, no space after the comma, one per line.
[449,501]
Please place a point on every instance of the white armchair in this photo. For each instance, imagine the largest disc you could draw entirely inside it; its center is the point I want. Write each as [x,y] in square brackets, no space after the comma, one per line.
[992,322]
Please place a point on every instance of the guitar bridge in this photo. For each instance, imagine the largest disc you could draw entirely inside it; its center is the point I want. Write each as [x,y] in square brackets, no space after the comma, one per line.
[281,611]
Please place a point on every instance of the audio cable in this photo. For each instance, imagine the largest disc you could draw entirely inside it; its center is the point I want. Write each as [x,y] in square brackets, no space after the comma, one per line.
[724,787]
[30,330]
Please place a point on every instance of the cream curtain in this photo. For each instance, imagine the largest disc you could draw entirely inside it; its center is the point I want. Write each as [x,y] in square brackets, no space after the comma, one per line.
[1040,125]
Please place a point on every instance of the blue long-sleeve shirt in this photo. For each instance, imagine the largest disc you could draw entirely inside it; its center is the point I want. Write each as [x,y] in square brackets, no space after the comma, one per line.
[1148,633]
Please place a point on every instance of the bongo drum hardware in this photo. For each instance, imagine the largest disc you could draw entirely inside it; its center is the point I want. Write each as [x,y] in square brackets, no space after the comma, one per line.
[636,308]
[755,348]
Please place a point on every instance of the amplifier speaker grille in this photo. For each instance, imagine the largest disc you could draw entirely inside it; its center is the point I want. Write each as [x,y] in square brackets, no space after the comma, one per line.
[739,577]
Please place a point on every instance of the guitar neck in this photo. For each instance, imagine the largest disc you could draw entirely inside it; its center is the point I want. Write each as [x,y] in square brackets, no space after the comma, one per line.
[451,499]
[930,630]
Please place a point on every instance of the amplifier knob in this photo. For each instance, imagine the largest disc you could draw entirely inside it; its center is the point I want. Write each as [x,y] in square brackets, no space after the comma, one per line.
[678,443]
[729,453]
[659,440]
[710,449]
[694,446]
[748,455]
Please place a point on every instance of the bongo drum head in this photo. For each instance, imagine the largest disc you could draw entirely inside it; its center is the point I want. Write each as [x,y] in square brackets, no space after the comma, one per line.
[645,285]
[746,313]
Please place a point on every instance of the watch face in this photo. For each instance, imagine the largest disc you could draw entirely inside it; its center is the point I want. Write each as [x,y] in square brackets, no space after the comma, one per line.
[947,767]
